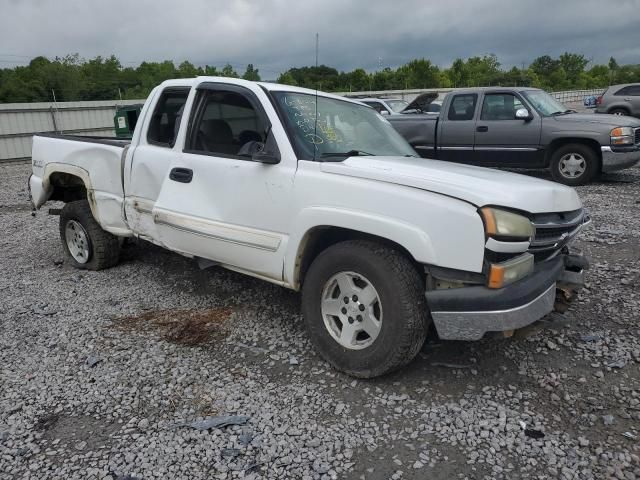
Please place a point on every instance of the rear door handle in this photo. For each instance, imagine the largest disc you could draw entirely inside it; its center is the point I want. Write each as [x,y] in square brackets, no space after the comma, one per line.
[182,175]
[482,128]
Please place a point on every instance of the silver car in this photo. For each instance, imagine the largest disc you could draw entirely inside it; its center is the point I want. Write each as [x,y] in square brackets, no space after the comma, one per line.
[620,100]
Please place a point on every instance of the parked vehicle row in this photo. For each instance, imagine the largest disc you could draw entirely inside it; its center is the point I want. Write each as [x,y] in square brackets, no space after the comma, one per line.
[620,100]
[523,128]
[320,194]
[426,103]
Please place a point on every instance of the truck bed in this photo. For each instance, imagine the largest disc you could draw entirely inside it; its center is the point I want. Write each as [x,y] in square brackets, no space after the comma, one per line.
[116,142]
[419,130]
[95,162]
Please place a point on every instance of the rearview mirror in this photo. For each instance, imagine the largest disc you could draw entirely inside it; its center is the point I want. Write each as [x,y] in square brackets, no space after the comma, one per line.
[523,114]
[258,153]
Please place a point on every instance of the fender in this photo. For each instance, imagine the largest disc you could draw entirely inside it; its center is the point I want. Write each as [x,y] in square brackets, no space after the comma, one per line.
[41,188]
[106,208]
[414,240]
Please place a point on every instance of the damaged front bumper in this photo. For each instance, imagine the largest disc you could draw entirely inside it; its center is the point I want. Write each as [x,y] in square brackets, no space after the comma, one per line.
[469,313]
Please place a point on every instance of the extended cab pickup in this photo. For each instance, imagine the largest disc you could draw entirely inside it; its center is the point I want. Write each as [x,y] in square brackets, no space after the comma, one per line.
[523,128]
[318,193]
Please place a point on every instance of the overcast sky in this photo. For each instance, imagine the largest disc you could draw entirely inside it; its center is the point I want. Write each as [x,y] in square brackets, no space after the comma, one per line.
[277,34]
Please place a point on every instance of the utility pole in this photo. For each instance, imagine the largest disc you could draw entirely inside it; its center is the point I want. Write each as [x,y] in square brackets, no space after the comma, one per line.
[53,114]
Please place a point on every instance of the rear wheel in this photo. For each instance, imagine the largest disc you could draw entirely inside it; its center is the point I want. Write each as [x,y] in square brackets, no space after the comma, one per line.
[364,308]
[619,111]
[574,164]
[85,243]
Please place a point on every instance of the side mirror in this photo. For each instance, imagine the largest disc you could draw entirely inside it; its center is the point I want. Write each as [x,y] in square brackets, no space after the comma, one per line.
[258,153]
[523,114]
[384,112]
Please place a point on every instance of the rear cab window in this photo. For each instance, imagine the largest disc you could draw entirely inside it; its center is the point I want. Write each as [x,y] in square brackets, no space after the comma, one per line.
[463,107]
[165,121]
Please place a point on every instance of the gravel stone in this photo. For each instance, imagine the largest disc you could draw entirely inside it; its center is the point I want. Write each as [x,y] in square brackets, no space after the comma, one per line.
[181,345]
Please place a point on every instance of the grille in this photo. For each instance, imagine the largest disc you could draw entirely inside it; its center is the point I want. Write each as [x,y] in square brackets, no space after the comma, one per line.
[637,137]
[554,231]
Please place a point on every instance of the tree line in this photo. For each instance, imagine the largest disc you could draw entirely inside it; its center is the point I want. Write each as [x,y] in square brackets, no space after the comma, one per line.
[72,78]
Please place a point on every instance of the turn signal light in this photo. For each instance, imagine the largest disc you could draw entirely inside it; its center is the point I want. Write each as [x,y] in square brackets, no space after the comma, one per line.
[502,274]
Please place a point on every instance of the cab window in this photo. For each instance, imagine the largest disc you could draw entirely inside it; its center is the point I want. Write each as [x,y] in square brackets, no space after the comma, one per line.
[165,121]
[227,121]
[500,106]
[463,107]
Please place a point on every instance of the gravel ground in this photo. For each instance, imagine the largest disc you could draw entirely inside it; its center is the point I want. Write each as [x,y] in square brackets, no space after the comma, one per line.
[105,374]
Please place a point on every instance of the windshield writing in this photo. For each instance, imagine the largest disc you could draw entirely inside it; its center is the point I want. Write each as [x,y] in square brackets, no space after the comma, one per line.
[342,127]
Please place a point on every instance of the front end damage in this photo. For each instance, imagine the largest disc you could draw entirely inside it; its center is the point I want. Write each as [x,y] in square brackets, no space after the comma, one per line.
[517,288]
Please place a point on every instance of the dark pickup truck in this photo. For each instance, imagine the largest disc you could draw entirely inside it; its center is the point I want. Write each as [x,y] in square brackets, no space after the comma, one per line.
[522,128]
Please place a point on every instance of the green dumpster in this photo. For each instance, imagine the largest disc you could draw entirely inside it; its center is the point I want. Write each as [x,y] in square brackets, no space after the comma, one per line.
[125,119]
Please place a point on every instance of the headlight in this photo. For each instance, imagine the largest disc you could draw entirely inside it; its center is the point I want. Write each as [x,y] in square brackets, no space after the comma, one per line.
[500,223]
[502,274]
[622,136]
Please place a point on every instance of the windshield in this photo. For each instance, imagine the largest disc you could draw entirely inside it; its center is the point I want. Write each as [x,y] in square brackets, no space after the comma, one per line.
[544,103]
[397,105]
[343,128]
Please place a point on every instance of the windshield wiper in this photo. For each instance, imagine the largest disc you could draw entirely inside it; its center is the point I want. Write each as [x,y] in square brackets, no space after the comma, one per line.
[350,153]
[566,112]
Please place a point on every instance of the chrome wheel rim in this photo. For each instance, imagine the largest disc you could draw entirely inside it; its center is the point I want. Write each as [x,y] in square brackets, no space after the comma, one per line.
[77,241]
[572,165]
[619,113]
[351,310]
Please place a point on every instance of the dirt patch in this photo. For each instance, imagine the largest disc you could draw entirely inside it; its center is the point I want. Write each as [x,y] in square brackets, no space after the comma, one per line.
[183,327]
[84,432]
[46,422]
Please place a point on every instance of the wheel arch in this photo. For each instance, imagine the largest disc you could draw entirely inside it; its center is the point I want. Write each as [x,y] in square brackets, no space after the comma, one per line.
[68,183]
[593,144]
[317,239]
[619,107]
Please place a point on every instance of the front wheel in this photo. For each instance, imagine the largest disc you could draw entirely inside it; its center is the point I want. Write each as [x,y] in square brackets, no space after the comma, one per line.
[85,243]
[364,308]
[574,164]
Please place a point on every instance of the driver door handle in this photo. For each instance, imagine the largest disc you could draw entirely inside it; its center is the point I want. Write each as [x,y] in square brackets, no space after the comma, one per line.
[482,128]
[182,175]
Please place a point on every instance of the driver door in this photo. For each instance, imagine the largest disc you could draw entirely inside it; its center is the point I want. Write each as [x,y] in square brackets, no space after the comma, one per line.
[501,139]
[216,203]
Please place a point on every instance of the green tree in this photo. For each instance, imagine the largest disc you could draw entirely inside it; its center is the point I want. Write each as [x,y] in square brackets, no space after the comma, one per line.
[287,79]
[573,65]
[251,73]
[188,70]
[228,71]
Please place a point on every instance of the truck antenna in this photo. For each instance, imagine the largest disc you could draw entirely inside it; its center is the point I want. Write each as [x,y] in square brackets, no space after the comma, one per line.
[315,123]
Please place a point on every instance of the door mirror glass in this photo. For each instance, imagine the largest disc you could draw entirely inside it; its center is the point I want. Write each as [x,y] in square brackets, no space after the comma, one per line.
[258,152]
[523,114]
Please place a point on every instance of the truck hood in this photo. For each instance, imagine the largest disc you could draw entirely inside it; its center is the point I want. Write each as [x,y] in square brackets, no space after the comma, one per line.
[421,102]
[476,185]
[611,121]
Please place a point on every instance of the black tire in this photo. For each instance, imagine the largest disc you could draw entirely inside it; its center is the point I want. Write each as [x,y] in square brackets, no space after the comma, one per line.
[618,111]
[400,290]
[103,247]
[590,168]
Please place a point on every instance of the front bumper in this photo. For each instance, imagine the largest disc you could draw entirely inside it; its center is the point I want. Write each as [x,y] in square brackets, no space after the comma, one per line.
[619,159]
[469,313]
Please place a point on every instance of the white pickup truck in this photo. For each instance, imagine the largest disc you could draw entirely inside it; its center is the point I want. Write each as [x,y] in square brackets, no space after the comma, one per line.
[319,193]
